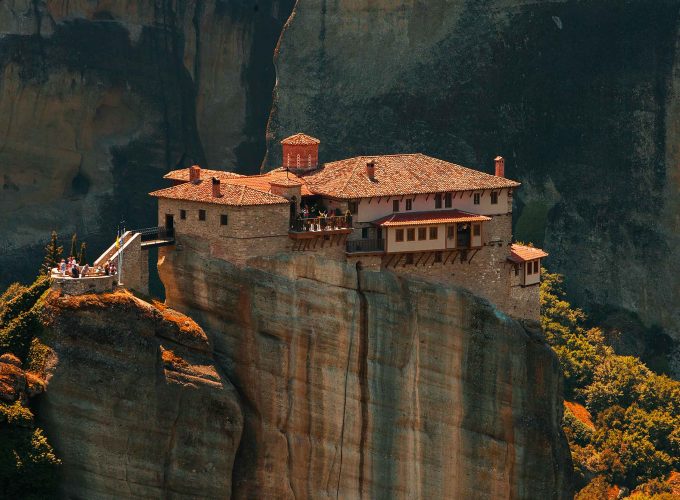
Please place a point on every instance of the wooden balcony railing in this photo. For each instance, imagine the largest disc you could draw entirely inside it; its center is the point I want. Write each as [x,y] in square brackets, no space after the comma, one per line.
[357,246]
[321,224]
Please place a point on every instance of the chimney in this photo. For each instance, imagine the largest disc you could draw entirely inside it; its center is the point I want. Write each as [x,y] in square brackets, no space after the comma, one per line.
[194,173]
[500,166]
[216,188]
[370,170]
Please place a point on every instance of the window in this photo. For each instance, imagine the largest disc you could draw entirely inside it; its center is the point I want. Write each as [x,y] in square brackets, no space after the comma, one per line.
[409,258]
[224,220]
[298,160]
[201,215]
[530,268]
[411,234]
[476,229]
[434,233]
[409,204]
[447,200]
[494,198]
[288,160]
[400,235]
[422,233]
[476,198]
[437,256]
[437,201]
[516,269]
[451,232]
[309,160]
[352,207]
[364,232]
[535,267]
[182,214]
[395,205]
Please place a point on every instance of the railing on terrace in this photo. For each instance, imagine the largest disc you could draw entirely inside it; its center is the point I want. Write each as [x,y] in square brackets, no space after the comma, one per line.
[365,246]
[156,233]
[328,223]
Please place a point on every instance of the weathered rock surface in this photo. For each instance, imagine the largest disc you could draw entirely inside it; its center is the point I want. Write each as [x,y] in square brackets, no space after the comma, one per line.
[373,386]
[135,405]
[98,99]
[581,97]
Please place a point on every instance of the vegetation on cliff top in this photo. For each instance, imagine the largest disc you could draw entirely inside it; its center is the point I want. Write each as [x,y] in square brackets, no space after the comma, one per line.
[28,465]
[623,420]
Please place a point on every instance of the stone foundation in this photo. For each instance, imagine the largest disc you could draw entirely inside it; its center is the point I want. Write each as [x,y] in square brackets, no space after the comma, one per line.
[81,286]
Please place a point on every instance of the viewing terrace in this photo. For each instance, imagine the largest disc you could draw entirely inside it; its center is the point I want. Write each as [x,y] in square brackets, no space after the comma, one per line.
[309,231]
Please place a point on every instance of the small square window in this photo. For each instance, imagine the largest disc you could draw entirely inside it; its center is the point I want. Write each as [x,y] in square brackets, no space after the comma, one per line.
[476,230]
[434,233]
[201,215]
[224,219]
[437,201]
[395,205]
[409,204]
[494,198]
[422,233]
[437,256]
[447,200]
[409,258]
[411,234]
[364,232]
[182,214]
[476,198]
[400,235]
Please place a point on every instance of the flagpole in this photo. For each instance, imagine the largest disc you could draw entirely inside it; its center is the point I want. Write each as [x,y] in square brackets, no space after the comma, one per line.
[120,256]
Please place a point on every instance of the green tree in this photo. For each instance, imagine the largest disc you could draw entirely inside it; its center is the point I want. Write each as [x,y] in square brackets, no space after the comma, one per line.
[53,253]
[74,245]
[82,257]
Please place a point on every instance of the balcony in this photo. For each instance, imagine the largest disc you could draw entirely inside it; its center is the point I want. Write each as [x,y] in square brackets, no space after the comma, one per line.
[310,227]
[366,246]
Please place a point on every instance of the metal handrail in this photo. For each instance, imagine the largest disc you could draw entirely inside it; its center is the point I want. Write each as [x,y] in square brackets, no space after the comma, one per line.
[155,233]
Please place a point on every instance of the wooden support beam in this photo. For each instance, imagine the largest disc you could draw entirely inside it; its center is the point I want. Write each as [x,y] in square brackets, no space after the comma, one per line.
[420,256]
[448,256]
[470,195]
[323,241]
[473,255]
[427,197]
[455,193]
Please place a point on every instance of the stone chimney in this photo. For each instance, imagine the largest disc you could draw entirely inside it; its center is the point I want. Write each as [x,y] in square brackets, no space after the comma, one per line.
[500,166]
[370,170]
[216,188]
[194,173]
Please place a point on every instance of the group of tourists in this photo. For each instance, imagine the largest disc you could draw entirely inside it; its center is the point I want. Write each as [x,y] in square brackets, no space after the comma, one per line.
[70,267]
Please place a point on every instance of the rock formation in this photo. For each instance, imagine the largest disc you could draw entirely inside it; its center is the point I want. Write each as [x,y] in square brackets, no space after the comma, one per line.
[99,99]
[367,385]
[582,99]
[135,406]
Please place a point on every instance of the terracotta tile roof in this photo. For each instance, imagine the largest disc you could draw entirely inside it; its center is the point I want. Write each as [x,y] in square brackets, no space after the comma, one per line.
[183,174]
[523,253]
[300,139]
[400,174]
[239,195]
[434,217]
[279,176]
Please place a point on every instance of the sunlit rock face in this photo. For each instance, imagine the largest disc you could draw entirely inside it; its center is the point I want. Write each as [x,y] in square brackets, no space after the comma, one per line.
[99,99]
[370,385]
[136,406]
[580,97]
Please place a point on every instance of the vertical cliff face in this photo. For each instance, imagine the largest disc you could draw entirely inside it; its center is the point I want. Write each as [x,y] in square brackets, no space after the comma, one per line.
[136,406]
[99,99]
[580,97]
[363,384]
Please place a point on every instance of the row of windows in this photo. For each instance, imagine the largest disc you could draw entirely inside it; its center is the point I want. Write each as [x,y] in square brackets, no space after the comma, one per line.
[447,200]
[297,160]
[532,267]
[422,234]
[224,218]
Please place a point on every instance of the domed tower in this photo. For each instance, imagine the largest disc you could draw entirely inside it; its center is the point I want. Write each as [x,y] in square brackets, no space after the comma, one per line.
[300,153]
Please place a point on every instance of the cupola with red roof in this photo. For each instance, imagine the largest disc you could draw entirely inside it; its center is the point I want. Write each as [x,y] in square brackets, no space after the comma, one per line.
[300,153]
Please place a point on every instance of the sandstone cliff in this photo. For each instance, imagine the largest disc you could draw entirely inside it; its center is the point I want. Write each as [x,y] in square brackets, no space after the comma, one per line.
[581,97]
[135,406]
[366,385]
[98,99]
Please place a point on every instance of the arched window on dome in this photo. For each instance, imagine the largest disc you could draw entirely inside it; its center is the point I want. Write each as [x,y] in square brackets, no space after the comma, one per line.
[288,160]
[298,160]
[309,160]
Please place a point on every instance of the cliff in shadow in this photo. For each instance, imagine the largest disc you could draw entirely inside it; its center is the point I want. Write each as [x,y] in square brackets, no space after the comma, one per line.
[135,405]
[99,99]
[363,384]
[581,97]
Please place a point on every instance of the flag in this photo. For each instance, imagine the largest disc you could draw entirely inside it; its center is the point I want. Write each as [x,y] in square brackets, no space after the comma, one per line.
[117,241]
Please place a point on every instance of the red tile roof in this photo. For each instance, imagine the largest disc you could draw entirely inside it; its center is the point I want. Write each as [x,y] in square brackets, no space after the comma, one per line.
[400,174]
[300,139]
[434,217]
[278,176]
[239,195]
[523,253]
[183,174]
